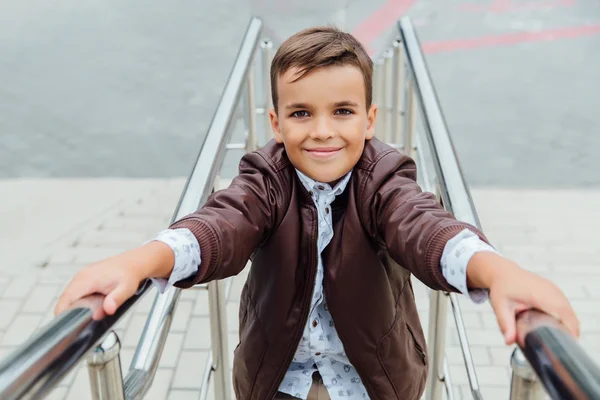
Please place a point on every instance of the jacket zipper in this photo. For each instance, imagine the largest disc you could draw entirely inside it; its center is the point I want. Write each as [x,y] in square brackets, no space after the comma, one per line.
[305,311]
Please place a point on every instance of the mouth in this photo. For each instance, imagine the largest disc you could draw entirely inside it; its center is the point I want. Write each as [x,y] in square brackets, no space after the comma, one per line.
[323,152]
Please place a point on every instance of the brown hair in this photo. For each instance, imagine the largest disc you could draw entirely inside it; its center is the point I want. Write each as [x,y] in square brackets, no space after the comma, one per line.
[319,47]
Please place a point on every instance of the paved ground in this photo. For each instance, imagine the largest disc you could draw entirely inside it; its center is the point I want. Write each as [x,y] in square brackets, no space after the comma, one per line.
[563,248]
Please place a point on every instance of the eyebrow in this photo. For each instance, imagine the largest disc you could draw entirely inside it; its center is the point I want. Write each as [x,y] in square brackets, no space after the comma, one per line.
[297,105]
[345,103]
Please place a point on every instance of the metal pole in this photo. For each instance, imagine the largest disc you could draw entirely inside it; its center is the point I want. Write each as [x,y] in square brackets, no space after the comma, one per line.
[218,334]
[104,369]
[378,97]
[438,306]
[448,381]
[524,384]
[251,142]
[267,48]
[387,93]
[464,345]
[399,83]
[410,120]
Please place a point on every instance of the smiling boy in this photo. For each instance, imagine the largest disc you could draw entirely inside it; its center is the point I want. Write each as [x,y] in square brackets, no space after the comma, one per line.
[335,225]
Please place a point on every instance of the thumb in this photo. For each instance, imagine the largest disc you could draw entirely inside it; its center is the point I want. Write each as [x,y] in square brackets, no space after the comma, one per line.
[505,314]
[116,298]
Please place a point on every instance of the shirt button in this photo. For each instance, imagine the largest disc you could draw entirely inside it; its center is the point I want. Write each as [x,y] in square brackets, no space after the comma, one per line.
[321,187]
[315,323]
[317,353]
[327,210]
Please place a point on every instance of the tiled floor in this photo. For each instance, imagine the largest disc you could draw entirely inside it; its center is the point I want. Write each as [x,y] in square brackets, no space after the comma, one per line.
[539,229]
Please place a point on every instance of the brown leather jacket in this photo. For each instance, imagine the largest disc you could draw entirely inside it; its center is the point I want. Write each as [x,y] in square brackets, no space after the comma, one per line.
[385,228]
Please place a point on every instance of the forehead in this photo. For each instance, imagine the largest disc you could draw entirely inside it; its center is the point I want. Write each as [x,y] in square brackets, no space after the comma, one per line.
[325,84]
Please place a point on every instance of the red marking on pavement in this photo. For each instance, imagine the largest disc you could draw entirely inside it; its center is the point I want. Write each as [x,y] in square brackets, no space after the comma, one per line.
[512,38]
[388,14]
[499,6]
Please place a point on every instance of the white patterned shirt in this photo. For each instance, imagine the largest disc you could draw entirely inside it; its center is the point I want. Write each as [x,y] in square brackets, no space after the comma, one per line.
[320,348]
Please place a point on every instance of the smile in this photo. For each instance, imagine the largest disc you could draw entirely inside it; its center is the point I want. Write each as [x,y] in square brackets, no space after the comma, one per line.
[324,152]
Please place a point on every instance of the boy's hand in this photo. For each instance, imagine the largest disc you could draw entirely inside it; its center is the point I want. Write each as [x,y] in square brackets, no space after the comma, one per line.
[513,289]
[117,278]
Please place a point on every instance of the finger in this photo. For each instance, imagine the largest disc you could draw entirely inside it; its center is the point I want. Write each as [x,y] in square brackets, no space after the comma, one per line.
[74,291]
[505,315]
[568,317]
[561,310]
[116,298]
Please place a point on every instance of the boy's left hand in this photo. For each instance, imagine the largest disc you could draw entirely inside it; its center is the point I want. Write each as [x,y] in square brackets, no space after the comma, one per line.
[514,289]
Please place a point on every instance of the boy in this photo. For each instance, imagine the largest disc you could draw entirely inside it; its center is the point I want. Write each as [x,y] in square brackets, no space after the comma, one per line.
[335,224]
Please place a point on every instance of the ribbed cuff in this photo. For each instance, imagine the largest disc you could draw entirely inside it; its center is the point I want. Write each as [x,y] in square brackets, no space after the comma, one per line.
[208,241]
[435,250]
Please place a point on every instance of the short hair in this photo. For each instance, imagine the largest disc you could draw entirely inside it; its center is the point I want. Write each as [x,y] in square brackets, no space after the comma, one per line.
[319,47]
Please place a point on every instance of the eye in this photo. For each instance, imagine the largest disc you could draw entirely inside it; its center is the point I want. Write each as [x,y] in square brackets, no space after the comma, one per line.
[299,114]
[344,111]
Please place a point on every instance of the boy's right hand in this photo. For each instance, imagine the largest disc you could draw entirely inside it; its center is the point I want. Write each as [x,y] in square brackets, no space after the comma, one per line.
[117,278]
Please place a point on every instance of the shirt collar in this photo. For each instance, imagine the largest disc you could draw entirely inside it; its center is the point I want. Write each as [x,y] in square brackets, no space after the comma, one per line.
[311,185]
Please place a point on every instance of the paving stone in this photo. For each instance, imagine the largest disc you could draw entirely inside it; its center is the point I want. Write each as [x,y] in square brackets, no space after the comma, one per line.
[181,394]
[81,385]
[144,305]
[486,375]
[125,356]
[172,350]
[201,304]
[59,393]
[233,311]
[160,385]
[189,294]
[501,354]
[41,298]
[189,370]
[197,336]
[22,327]
[182,316]
[132,335]
[480,355]
[19,287]
[9,308]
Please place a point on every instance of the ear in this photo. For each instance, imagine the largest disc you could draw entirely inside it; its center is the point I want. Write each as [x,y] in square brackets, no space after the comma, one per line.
[371,118]
[275,126]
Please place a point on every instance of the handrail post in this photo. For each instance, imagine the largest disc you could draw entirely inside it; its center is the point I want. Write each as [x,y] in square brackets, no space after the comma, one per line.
[104,369]
[438,308]
[399,85]
[387,94]
[410,120]
[267,48]
[251,142]
[524,384]
[379,97]
[218,336]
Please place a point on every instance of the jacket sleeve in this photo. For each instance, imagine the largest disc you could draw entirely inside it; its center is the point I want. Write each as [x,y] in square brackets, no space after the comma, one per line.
[233,222]
[413,224]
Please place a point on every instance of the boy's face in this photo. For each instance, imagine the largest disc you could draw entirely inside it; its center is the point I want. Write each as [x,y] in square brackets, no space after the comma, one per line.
[323,121]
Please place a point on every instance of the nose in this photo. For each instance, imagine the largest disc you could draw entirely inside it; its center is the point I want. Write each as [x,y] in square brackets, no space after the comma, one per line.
[322,129]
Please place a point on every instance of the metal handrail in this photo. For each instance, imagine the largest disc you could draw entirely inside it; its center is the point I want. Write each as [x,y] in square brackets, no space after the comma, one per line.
[455,196]
[35,367]
[559,362]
